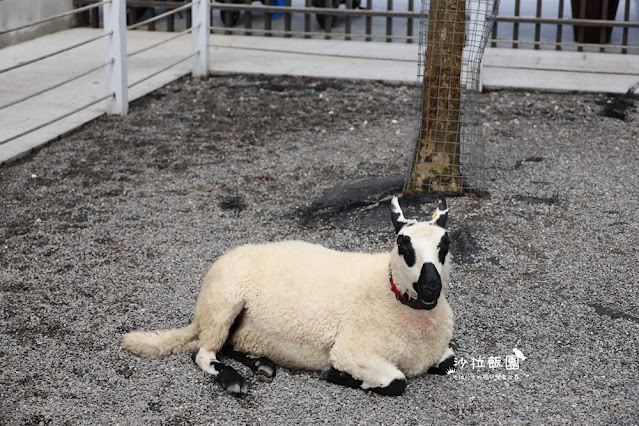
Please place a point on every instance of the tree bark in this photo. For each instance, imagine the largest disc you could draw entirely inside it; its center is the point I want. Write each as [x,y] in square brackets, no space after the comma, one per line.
[436,165]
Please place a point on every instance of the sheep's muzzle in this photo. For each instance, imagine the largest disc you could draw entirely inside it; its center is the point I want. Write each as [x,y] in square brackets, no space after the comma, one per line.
[429,286]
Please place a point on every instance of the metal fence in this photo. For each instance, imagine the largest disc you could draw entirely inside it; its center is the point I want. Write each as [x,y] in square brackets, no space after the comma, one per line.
[610,25]
[596,25]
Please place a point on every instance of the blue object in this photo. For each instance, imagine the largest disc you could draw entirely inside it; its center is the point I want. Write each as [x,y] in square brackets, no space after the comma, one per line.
[277,3]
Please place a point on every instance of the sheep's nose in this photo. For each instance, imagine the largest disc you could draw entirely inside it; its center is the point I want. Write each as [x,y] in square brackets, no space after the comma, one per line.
[429,285]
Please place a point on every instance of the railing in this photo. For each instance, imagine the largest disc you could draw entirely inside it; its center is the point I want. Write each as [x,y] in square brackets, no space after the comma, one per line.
[116,56]
[519,24]
[136,9]
[198,14]
[109,64]
[591,24]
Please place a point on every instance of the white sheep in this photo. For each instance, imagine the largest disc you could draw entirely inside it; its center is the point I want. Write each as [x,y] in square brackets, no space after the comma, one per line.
[365,320]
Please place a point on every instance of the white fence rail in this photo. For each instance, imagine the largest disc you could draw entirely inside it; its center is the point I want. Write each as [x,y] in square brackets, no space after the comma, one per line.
[116,59]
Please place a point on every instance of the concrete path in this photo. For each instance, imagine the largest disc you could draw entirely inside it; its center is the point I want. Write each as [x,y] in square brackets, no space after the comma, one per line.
[529,69]
[21,82]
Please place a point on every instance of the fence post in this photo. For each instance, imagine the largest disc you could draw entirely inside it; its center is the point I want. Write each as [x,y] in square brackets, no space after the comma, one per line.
[200,37]
[116,79]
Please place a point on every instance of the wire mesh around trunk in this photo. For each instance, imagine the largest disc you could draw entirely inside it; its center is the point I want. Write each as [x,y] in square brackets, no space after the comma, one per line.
[448,155]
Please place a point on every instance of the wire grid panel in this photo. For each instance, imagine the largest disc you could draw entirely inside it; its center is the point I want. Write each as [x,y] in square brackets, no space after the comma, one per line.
[448,155]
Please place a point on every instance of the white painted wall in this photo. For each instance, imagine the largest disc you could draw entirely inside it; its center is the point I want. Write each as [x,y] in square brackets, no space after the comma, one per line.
[15,13]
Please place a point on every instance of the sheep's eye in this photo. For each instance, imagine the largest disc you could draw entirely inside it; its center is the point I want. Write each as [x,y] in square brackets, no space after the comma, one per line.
[405,248]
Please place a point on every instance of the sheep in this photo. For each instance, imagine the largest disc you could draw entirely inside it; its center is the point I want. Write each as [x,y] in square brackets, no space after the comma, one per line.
[364,320]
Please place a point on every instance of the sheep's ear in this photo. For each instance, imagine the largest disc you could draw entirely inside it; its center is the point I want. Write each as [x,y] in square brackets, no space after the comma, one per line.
[441,214]
[397,216]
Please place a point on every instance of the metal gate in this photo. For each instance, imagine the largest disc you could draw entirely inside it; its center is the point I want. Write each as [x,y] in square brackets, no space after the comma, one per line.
[609,26]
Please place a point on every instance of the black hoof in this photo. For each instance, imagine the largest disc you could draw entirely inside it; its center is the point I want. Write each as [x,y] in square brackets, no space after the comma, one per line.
[444,367]
[395,388]
[333,375]
[265,369]
[230,380]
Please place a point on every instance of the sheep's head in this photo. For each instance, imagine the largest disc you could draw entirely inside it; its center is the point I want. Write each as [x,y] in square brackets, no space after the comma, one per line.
[420,263]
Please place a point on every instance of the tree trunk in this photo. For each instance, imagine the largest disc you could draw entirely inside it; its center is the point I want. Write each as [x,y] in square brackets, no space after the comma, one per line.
[436,163]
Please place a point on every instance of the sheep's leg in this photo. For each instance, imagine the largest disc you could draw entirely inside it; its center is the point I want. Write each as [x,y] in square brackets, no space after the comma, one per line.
[263,367]
[216,323]
[376,375]
[225,375]
[445,365]
[333,375]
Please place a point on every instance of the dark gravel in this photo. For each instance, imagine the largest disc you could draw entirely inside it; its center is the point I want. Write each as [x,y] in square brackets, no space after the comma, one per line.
[113,227]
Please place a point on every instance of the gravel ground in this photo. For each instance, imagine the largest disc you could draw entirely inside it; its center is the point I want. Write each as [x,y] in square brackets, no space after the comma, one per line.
[113,227]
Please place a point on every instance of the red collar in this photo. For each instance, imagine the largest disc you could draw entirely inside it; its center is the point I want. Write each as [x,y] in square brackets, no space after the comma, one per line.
[405,298]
